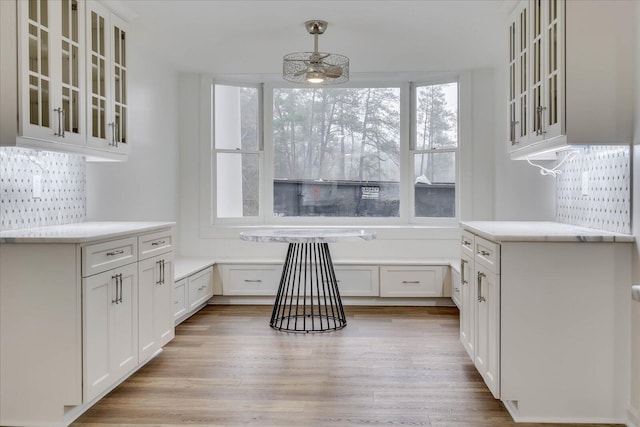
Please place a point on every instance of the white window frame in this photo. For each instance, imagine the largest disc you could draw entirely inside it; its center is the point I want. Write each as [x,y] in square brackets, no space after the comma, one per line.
[413,219]
[213,156]
[211,226]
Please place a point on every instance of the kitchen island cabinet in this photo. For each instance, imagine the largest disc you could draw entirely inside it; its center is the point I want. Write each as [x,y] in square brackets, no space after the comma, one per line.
[550,318]
[70,314]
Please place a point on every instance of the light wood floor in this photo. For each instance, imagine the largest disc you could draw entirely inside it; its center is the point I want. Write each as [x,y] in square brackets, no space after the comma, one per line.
[390,366]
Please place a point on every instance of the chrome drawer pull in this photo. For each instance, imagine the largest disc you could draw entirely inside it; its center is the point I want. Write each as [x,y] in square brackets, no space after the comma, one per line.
[466,242]
[201,287]
[480,276]
[484,253]
[253,280]
[410,281]
[463,262]
[159,242]
[115,253]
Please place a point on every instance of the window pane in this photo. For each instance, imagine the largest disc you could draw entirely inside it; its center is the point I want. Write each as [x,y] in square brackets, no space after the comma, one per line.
[236,117]
[237,185]
[437,116]
[435,184]
[336,151]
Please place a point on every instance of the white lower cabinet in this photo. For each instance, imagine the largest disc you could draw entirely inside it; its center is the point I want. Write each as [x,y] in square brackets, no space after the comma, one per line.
[467,306]
[480,312]
[357,280]
[110,333]
[487,326]
[156,325]
[200,288]
[411,281]
[180,299]
[253,280]
[78,318]
[546,324]
[192,290]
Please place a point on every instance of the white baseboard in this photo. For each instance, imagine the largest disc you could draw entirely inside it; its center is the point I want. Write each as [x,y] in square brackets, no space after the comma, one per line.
[346,301]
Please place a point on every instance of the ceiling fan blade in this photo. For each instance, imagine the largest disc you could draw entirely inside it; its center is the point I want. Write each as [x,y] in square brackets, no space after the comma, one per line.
[333,71]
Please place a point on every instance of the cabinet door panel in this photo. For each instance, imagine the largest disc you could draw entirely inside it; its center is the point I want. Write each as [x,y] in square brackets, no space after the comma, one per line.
[156,325]
[98,292]
[180,299]
[124,322]
[487,329]
[468,303]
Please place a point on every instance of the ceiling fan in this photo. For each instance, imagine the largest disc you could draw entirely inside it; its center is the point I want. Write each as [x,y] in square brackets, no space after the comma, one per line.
[315,67]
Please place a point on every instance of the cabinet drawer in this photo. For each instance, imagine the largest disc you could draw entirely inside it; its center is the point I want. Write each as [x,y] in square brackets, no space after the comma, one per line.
[358,281]
[488,254]
[200,288]
[411,281]
[250,279]
[467,242]
[155,243]
[180,299]
[105,256]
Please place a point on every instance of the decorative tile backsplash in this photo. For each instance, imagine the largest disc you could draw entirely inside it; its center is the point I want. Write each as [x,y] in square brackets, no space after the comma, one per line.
[62,199]
[594,189]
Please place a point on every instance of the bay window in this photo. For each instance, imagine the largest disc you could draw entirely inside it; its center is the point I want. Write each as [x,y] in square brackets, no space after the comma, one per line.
[371,155]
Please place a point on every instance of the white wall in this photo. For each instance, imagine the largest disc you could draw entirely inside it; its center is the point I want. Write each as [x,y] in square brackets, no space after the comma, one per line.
[521,192]
[145,188]
[634,410]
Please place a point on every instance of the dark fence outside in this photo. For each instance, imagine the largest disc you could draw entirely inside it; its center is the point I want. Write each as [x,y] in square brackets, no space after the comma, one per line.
[358,199]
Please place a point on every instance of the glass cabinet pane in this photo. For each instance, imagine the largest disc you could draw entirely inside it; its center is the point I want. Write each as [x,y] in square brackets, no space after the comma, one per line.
[97,88]
[38,63]
[119,82]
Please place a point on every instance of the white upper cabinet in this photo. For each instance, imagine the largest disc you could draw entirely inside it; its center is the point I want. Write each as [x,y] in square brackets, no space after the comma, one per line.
[570,76]
[106,80]
[51,71]
[71,78]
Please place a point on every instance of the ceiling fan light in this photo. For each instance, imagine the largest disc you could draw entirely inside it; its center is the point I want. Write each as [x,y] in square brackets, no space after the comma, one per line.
[318,68]
[315,78]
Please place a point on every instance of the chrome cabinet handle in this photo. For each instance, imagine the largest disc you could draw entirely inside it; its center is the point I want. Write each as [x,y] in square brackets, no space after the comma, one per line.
[410,281]
[161,276]
[114,127]
[118,279]
[253,280]
[115,253]
[159,264]
[202,287]
[159,242]
[463,262]
[513,132]
[116,301]
[484,253]
[539,111]
[120,287]
[466,242]
[480,276]
[60,112]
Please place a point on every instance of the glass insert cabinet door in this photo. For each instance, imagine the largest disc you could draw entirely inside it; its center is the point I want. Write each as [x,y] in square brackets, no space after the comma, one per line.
[106,80]
[51,65]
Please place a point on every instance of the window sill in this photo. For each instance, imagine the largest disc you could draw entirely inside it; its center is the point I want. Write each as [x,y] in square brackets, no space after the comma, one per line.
[383,232]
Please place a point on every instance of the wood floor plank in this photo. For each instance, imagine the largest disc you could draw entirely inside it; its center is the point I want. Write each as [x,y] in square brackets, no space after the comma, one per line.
[401,366]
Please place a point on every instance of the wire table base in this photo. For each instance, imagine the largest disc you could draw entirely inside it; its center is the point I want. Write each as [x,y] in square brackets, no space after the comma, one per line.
[308,299]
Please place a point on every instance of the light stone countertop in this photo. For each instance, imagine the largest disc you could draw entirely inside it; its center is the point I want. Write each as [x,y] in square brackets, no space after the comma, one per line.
[541,231]
[81,232]
[307,235]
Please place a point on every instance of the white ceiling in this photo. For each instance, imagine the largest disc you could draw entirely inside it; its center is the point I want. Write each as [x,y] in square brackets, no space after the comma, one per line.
[250,37]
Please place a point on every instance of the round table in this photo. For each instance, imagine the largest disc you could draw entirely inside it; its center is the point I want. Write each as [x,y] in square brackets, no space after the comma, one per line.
[308,298]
